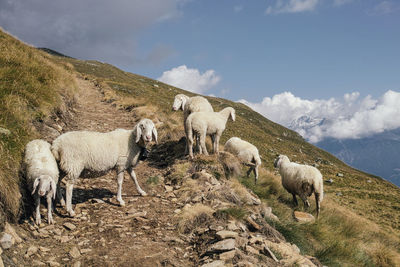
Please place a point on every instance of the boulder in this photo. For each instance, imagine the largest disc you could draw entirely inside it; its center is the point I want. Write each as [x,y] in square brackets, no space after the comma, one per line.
[303,217]
[6,241]
[10,230]
[217,263]
[222,246]
[226,234]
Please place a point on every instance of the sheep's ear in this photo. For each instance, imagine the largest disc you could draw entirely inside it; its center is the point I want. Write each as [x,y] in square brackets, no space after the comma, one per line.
[35,185]
[53,187]
[138,133]
[183,103]
[154,132]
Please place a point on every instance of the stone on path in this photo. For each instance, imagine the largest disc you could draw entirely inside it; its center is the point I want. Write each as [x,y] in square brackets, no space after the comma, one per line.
[303,217]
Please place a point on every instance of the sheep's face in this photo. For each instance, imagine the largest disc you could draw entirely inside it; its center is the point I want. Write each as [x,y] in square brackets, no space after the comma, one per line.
[44,184]
[278,161]
[179,102]
[146,130]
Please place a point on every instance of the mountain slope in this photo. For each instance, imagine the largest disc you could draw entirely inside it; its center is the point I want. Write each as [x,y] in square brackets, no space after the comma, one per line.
[352,231]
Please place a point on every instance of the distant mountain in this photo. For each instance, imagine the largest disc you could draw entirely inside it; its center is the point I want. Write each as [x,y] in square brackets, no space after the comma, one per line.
[378,154]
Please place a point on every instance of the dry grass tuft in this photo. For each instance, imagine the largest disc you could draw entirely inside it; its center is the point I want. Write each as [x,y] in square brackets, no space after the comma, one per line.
[194,217]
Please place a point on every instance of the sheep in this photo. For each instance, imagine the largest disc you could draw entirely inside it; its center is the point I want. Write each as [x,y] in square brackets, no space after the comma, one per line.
[301,180]
[246,152]
[207,123]
[99,152]
[42,175]
[190,105]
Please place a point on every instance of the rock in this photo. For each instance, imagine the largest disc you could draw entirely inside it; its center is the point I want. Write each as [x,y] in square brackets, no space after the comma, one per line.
[14,259]
[77,264]
[38,263]
[226,256]
[53,263]
[31,251]
[339,174]
[339,194]
[226,234]
[222,246]
[252,224]
[43,249]
[10,230]
[256,240]
[1,251]
[330,181]
[177,211]
[266,212]
[266,251]
[296,248]
[1,262]
[168,188]
[86,250]
[250,249]
[217,263]
[74,253]
[69,226]
[216,228]
[6,241]
[4,131]
[303,217]
[369,181]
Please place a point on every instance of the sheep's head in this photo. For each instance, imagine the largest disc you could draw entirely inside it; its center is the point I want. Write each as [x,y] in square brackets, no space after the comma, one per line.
[179,102]
[233,114]
[146,130]
[44,184]
[278,161]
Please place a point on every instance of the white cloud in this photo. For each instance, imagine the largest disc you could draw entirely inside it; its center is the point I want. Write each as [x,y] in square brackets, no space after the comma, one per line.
[190,79]
[90,29]
[292,6]
[385,7]
[347,118]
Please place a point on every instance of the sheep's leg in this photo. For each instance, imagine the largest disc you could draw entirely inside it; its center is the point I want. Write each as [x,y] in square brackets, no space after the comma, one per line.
[49,209]
[305,201]
[295,200]
[187,143]
[216,143]
[213,142]
[37,206]
[203,142]
[120,180]
[317,203]
[59,196]
[69,187]
[190,146]
[198,147]
[249,171]
[255,170]
[133,176]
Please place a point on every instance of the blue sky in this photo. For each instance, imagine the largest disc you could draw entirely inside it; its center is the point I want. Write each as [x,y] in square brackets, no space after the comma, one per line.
[337,60]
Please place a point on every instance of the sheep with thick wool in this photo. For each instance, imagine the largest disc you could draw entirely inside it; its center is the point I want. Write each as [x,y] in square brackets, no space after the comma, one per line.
[98,152]
[190,105]
[301,180]
[246,152]
[41,172]
[207,123]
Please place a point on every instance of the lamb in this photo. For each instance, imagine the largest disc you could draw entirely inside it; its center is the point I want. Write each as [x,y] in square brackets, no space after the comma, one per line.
[190,105]
[42,175]
[302,180]
[207,123]
[246,152]
[99,152]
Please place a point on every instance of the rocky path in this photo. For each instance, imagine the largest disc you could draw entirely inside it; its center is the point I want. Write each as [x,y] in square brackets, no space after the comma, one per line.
[102,233]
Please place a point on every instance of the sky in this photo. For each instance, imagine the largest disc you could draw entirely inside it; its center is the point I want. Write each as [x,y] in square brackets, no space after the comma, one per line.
[333,60]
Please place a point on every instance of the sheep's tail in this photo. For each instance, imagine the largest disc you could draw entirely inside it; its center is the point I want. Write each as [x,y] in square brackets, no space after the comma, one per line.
[55,151]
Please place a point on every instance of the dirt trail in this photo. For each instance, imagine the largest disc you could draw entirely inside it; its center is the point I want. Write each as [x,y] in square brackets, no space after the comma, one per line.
[139,234]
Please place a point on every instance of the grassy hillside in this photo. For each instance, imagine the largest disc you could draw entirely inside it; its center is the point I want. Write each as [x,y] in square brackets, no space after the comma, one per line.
[31,89]
[360,222]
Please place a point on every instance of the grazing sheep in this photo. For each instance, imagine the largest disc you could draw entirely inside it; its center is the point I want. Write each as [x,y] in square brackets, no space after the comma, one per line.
[99,152]
[246,152]
[302,180]
[41,174]
[190,105]
[207,123]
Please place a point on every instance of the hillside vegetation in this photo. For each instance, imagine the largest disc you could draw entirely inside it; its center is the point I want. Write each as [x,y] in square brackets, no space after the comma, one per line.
[359,224]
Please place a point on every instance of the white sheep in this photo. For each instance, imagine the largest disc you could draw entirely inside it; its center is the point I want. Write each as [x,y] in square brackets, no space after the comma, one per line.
[207,123]
[301,180]
[190,105]
[119,149]
[246,152]
[42,175]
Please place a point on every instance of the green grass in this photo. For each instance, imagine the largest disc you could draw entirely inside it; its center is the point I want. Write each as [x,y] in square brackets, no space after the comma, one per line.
[233,212]
[30,86]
